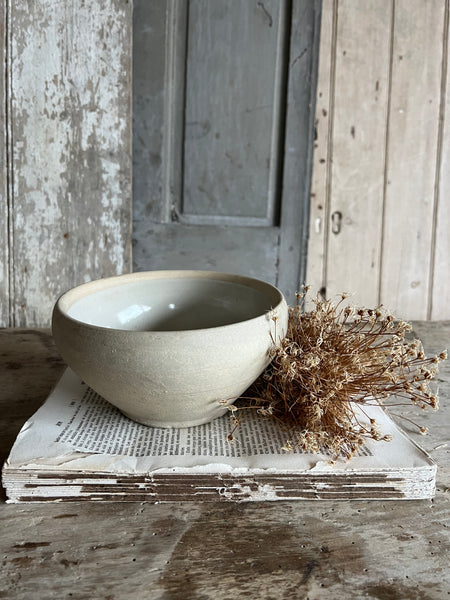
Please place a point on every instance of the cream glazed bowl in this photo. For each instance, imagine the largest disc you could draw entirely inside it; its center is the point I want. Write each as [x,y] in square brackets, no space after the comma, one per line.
[166,346]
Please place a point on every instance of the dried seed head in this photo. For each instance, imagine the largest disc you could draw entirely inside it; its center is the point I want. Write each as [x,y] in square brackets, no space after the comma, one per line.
[327,364]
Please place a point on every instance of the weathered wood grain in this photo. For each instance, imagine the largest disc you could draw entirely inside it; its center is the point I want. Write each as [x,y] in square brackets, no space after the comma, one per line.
[384,178]
[4,170]
[298,146]
[30,366]
[320,197]
[289,550]
[70,132]
[440,292]
[358,148]
[189,551]
[251,251]
[231,100]
[411,159]
[345,224]
[232,109]
[149,37]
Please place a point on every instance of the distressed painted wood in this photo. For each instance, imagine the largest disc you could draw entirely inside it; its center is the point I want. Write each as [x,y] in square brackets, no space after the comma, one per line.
[411,158]
[214,115]
[251,251]
[383,181]
[232,109]
[70,194]
[440,291]
[175,106]
[298,148]
[149,37]
[320,197]
[287,550]
[4,167]
[359,108]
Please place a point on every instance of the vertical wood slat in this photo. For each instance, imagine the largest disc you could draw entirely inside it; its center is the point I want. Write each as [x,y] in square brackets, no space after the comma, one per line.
[358,139]
[440,292]
[70,121]
[299,140]
[344,254]
[411,160]
[149,103]
[4,230]
[173,114]
[319,209]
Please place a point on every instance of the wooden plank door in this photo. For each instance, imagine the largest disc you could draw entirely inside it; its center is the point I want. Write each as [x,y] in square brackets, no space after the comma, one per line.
[223,131]
[379,225]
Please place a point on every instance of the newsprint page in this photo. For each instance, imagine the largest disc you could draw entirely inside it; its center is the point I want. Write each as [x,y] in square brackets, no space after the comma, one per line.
[77,446]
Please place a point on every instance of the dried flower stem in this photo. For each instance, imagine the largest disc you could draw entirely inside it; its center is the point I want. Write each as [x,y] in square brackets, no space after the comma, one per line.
[334,358]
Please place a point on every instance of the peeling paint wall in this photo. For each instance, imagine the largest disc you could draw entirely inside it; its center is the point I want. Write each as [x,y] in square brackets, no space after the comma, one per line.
[4,263]
[66,162]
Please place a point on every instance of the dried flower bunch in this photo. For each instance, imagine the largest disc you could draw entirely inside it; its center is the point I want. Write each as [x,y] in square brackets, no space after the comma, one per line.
[332,359]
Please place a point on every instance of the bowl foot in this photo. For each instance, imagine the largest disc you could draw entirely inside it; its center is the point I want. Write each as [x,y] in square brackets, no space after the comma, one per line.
[176,424]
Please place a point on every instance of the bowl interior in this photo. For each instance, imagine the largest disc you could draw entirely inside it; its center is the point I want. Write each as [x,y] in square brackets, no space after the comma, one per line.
[172,304]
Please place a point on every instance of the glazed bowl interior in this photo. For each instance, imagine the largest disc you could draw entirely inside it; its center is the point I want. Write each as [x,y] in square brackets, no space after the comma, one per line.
[170,304]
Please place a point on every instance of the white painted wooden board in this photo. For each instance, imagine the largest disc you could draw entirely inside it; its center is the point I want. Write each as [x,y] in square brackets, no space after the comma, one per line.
[320,200]
[411,158]
[361,82]
[440,292]
[70,193]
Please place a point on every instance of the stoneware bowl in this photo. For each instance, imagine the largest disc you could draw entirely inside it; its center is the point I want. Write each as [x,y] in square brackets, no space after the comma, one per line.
[166,346]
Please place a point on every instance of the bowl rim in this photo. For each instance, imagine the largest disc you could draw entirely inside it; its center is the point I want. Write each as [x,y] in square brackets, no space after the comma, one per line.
[69,297]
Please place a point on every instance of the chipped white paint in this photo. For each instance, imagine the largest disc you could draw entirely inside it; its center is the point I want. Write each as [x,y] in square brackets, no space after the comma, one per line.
[70,122]
[248,493]
[4,167]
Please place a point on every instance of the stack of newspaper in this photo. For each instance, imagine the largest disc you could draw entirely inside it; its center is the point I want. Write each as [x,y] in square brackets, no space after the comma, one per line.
[77,447]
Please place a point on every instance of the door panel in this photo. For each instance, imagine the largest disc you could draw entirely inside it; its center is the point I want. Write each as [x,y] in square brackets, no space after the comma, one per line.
[223,104]
[233,115]
[251,251]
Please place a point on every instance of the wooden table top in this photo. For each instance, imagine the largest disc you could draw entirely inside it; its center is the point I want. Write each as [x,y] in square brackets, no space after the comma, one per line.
[384,550]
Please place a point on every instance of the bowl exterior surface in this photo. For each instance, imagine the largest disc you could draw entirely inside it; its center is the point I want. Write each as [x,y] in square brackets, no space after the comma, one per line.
[169,378]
